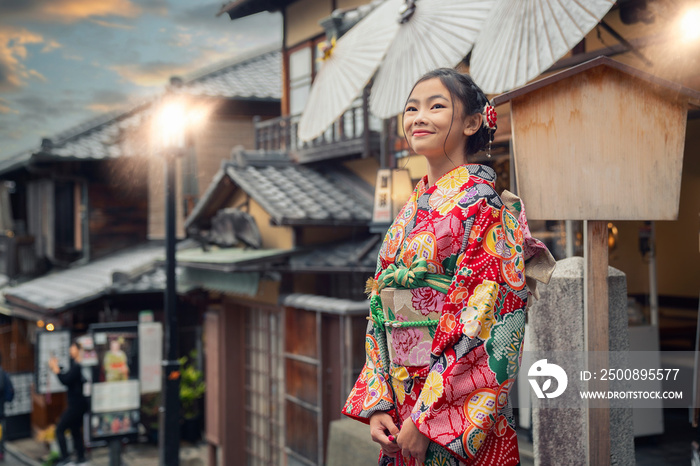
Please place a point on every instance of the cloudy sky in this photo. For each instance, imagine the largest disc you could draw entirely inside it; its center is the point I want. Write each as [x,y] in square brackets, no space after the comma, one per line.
[63,62]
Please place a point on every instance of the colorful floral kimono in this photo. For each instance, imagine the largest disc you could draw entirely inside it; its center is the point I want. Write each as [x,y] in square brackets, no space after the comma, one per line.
[451,292]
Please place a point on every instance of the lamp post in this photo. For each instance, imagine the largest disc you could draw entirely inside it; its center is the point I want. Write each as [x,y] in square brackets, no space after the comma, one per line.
[171,130]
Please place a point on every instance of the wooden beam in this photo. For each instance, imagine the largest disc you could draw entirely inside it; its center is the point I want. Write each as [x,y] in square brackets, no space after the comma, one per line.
[597,338]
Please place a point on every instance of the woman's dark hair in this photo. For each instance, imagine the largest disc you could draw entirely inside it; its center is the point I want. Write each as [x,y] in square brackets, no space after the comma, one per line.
[472,98]
[77,343]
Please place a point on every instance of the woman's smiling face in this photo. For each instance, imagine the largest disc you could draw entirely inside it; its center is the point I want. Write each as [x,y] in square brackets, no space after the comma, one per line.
[434,124]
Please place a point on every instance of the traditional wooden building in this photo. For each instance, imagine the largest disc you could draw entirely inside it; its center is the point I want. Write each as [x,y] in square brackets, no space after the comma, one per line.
[82,215]
[286,252]
[290,304]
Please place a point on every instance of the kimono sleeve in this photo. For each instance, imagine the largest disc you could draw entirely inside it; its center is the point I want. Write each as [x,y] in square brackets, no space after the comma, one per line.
[372,390]
[477,345]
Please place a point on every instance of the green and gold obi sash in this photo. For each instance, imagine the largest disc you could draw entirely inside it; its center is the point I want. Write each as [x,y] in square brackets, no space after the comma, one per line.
[405,334]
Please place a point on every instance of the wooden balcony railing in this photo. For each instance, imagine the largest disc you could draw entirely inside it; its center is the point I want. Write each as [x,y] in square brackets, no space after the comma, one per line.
[351,134]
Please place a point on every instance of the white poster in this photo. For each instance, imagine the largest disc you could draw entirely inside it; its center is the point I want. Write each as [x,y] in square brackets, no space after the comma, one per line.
[150,356]
[22,403]
[115,396]
[50,344]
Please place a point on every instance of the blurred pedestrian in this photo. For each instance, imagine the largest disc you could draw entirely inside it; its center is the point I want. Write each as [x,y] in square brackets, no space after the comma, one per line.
[448,298]
[72,418]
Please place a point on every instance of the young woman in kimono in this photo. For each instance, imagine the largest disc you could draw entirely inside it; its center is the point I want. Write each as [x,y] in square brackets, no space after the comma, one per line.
[449,296]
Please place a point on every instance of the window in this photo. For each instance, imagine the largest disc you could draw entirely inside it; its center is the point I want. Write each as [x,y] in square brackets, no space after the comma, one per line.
[300,76]
[264,387]
[55,218]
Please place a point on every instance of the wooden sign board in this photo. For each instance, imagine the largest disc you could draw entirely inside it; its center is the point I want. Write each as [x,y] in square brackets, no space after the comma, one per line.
[600,141]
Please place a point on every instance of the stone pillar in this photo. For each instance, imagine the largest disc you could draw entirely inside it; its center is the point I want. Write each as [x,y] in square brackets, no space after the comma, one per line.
[556,323]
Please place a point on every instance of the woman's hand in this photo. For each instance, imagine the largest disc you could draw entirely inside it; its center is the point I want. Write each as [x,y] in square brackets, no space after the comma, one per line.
[412,442]
[381,425]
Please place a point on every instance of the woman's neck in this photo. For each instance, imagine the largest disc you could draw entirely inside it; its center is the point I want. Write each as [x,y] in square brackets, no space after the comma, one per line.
[440,167]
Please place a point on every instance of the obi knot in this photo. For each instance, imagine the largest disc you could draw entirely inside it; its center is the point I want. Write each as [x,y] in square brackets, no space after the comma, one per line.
[415,275]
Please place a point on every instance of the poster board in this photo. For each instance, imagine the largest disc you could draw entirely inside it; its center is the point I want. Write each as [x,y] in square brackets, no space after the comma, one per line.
[22,402]
[48,345]
[116,399]
[151,356]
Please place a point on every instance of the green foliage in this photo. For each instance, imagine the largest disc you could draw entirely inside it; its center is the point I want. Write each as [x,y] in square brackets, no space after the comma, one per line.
[53,458]
[150,408]
[192,386]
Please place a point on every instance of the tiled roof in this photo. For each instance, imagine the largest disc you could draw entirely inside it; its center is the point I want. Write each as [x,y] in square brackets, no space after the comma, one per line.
[299,194]
[255,77]
[290,193]
[152,281]
[14,161]
[347,256]
[67,288]
[229,259]
[99,141]
[318,303]
[238,283]
[242,8]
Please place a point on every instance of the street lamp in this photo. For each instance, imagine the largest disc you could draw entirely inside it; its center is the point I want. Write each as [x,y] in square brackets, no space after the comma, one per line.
[175,117]
[688,24]
[171,124]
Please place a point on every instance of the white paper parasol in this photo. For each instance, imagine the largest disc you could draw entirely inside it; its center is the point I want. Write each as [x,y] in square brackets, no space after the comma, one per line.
[439,33]
[523,38]
[351,64]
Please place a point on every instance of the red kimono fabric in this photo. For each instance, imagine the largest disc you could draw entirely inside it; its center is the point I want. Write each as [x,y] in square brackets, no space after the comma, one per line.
[460,401]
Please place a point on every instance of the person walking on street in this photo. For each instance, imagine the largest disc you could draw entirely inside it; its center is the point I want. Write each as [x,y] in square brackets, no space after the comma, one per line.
[72,418]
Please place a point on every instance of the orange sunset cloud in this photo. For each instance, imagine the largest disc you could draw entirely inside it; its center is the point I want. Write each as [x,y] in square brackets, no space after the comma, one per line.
[13,50]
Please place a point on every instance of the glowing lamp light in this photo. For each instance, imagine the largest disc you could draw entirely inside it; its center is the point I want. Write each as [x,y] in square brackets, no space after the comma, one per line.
[175,118]
[612,236]
[171,122]
[50,327]
[690,24]
[40,323]
[197,116]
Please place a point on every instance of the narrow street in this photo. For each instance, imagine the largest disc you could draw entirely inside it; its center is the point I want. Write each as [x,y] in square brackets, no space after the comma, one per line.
[10,460]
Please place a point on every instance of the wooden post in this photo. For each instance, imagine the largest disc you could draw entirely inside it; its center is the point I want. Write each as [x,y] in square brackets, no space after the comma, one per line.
[597,338]
[366,142]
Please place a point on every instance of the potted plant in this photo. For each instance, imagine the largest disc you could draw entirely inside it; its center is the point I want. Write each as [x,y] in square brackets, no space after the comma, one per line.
[192,388]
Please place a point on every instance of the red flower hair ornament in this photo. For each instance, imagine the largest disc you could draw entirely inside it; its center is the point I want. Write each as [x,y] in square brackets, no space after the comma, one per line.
[490,116]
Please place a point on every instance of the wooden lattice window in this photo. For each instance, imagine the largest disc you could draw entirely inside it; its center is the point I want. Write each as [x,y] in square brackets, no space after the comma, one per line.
[264,387]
